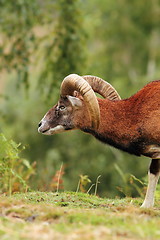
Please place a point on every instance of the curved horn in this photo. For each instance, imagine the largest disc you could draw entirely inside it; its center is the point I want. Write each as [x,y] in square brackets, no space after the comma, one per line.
[74,82]
[102,87]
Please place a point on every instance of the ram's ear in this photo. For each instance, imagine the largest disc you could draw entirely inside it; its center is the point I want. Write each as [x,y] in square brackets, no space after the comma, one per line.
[76,94]
[75,102]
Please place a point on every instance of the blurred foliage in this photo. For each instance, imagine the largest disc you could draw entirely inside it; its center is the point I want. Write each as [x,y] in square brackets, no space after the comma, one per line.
[64,50]
[51,40]
[14,171]
[17,36]
[132,29]
[43,41]
[127,42]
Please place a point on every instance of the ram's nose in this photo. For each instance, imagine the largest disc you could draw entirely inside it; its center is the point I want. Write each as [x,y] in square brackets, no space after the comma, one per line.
[43,127]
[39,125]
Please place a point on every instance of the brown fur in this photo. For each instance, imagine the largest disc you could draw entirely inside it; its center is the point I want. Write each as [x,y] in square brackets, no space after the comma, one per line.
[132,124]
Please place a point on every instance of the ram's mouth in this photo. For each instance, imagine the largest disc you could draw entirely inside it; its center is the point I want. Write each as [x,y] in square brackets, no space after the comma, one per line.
[51,131]
[43,131]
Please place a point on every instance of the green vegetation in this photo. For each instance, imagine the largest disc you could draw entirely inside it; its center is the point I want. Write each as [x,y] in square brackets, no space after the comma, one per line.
[75,216]
[14,171]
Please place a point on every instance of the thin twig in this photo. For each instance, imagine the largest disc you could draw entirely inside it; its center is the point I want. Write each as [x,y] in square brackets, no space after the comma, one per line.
[59,175]
[90,188]
[78,185]
[95,192]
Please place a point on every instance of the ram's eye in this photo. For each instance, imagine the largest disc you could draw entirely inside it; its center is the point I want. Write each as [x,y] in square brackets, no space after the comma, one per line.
[62,108]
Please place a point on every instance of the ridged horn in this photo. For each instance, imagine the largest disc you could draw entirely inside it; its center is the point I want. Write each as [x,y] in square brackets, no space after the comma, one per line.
[74,82]
[102,87]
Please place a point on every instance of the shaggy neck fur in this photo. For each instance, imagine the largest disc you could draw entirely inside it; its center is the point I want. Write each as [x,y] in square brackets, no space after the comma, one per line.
[118,128]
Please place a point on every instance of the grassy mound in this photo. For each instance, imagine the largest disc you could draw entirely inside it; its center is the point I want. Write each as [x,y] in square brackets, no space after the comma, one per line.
[39,215]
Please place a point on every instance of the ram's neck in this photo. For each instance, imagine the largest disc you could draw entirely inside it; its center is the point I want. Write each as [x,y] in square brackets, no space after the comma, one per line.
[113,120]
[116,126]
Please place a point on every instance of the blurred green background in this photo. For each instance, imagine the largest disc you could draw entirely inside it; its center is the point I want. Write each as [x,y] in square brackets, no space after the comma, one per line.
[43,41]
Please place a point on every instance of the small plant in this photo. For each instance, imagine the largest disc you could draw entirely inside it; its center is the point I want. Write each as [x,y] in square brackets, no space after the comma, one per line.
[82,183]
[14,170]
[96,186]
[130,183]
[84,180]
[57,181]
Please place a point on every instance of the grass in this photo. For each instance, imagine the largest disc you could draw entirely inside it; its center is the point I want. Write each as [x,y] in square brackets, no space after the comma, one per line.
[39,215]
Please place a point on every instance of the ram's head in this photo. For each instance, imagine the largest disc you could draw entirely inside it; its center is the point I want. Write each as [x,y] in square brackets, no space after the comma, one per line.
[78,105]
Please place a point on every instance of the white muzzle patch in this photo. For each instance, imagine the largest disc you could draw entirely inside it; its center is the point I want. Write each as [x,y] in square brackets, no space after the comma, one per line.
[57,129]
